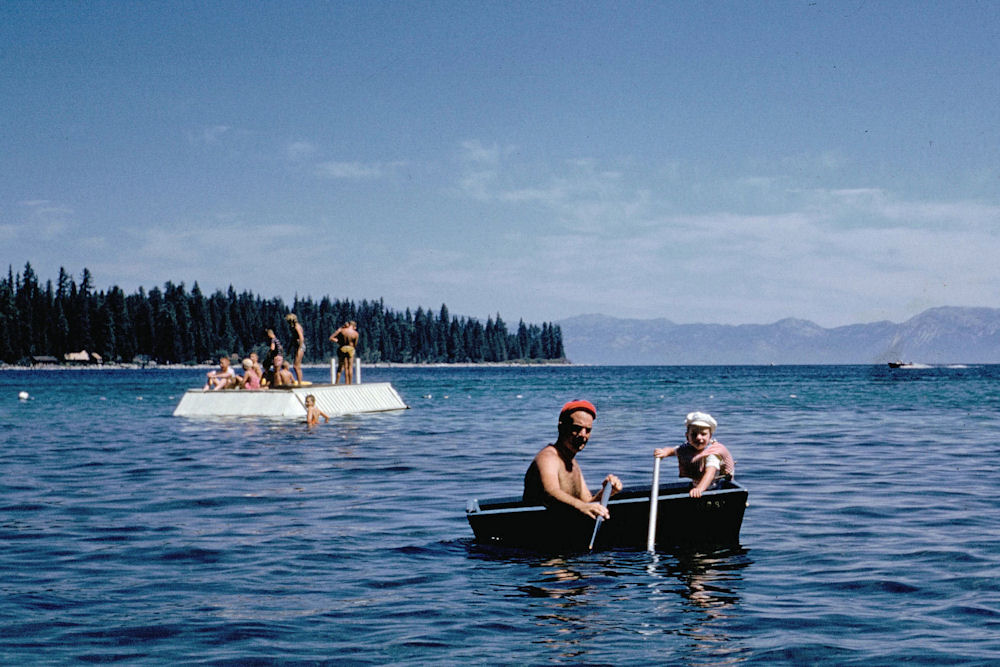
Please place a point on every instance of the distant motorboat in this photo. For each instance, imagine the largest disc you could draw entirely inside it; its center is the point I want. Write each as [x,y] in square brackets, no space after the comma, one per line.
[899,364]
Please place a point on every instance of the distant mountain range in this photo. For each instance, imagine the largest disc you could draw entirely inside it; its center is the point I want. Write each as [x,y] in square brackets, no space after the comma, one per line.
[937,336]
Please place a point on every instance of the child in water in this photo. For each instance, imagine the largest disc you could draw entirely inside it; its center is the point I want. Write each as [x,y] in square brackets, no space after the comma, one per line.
[701,457]
[313,413]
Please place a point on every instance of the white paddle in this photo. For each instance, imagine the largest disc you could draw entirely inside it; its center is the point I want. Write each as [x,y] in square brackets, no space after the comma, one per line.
[604,503]
[654,501]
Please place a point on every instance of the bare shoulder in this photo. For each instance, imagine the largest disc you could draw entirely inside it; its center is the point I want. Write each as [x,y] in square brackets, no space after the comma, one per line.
[548,451]
[548,457]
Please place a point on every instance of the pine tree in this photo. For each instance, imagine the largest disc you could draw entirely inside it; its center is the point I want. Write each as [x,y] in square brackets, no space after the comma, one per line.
[9,345]
[125,348]
[168,341]
[83,337]
[201,326]
[523,341]
[108,347]
[24,300]
[145,322]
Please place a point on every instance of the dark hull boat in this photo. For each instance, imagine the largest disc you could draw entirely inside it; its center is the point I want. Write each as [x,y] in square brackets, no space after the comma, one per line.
[715,518]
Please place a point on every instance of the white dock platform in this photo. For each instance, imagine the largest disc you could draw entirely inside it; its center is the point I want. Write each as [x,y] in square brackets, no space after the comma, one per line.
[340,399]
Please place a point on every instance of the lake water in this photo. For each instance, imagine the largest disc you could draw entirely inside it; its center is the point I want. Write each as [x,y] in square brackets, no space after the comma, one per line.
[126,534]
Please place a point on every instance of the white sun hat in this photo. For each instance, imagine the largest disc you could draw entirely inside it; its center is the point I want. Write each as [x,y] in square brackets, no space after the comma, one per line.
[702,419]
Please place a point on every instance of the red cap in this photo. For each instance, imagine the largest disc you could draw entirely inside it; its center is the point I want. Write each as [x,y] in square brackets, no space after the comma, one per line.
[573,406]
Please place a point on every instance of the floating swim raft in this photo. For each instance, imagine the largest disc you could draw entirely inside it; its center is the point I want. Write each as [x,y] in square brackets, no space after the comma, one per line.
[290,402]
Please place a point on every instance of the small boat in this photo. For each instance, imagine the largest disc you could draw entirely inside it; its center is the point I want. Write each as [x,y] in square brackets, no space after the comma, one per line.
[715,518]
[899,364]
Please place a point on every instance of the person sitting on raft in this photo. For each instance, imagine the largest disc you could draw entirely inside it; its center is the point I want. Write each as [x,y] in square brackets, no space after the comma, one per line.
[251,376]
[555,477]
[224,378]
[701,457]
[282,374]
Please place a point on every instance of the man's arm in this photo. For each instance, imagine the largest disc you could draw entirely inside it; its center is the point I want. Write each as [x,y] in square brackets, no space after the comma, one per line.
[549,464]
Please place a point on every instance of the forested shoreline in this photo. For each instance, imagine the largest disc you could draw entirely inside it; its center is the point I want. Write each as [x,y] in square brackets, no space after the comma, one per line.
[174,325]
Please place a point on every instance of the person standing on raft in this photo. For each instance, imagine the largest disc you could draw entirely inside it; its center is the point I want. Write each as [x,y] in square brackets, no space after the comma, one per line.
[555,477]
[346,338]
[702,457]
[297,345]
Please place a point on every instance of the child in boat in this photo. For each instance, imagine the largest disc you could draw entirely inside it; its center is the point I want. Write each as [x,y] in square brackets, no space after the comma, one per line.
[313,413]
[702,457]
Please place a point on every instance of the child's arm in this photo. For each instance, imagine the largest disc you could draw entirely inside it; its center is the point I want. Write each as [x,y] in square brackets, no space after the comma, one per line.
[326,417]
[706,479]
[664,452]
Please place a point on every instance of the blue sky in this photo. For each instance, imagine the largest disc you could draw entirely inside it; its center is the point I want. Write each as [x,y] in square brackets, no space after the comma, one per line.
[720,162]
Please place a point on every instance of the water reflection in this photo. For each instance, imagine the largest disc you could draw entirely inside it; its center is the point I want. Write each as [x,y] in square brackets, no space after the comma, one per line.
[560,581]
[583,600]
[708,585]
[710,580]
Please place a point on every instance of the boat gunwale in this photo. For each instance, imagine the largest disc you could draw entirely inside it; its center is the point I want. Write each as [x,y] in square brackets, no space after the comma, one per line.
[636,494]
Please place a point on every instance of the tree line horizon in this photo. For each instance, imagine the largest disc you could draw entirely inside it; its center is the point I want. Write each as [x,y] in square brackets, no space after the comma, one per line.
[174,325]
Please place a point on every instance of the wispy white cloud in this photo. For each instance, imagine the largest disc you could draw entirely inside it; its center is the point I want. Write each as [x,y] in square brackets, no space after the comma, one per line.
[829,255]
[580,194]
[350,170]
[45,220]
[300,150]
[476,152]
[209,134]
[225,243]
[962,213]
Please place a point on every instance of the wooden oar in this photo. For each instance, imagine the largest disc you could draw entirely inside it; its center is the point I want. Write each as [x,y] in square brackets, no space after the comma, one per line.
[604,503]
[654,502]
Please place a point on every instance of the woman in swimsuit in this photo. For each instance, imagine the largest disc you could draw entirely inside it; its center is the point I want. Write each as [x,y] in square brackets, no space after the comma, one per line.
[297,346]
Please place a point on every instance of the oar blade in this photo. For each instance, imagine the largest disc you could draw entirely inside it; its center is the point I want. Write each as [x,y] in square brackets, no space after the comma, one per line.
[654,502]
[597,523]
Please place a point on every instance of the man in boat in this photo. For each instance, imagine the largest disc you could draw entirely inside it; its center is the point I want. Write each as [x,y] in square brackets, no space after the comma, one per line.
[554,475]
[346,338]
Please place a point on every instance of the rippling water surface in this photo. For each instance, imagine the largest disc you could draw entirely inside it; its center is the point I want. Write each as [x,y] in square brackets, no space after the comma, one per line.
[872,536]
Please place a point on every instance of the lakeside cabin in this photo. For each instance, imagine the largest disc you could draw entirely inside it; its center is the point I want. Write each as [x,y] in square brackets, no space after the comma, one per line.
[70,358]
